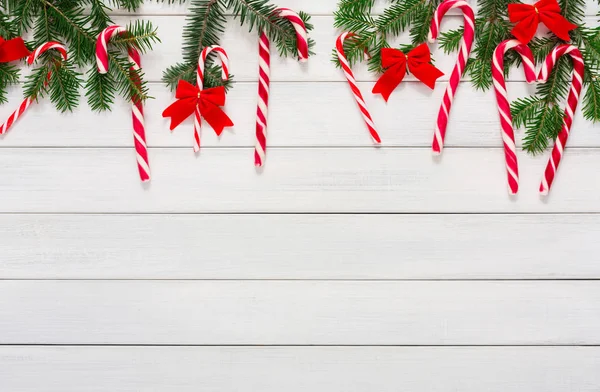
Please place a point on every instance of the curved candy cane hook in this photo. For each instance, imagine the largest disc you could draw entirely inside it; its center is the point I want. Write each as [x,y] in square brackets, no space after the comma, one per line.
[358,97]
[572,100]
[264,81]
[508,135]
[27,101]
[463,55]
[200,84]
[137,108]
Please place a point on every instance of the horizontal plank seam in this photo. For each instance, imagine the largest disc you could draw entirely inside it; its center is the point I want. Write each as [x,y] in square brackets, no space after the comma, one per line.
[545,280]
[258,346]
[283,147]
[366,280]
[191,213]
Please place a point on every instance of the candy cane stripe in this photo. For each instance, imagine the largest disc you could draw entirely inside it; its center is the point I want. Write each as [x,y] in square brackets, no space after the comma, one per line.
[200,83]
[12,119]
[572,101]
[264,81]
[137,107]
[508,136]
[465,50]
[354,87]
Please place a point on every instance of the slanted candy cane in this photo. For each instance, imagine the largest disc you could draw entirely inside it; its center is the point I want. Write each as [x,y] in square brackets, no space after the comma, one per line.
[508,135]
[27,101]
[263,80]
[137,109]
[200,84]
[572,100]
[459,68]
[339,47]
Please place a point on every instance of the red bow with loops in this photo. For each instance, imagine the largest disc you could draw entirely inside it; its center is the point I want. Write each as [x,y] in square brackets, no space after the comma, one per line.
[528,17]
[417,61]
[13,49]
[190,97]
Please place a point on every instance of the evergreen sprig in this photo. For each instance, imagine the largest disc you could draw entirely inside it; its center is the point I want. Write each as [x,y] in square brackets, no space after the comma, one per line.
[374,34]
[75,23]
[205,24]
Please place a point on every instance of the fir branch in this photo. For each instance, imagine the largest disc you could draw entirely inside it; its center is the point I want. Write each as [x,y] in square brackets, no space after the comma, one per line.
[591,100]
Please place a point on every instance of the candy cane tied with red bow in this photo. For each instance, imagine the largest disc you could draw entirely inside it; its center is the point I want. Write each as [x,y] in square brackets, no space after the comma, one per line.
[508,135]
[27,101]
[358,97]
[264,63]
[572,100]
[200,84]
[137,108]
[459,68]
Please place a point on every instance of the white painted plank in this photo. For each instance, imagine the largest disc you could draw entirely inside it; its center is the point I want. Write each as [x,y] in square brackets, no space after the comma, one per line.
[300,369]
[294,180]
[300,115]
[315,7]
[300,312]
[299,246]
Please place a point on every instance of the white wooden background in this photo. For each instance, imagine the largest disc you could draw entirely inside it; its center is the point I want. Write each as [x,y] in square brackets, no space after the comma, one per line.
[339,267]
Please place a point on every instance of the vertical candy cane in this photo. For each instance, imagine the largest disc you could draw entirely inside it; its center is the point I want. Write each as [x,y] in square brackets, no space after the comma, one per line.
[339,47]
[200,83]
[137,108]
[508,135]
[27,101]
[263,80]
[463,55]
[572,100]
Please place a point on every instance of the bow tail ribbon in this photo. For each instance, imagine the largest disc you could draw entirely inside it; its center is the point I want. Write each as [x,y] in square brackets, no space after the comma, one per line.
[558,25]
[426,73]
[214,116]
[189,97]
[390,79]
[12,49]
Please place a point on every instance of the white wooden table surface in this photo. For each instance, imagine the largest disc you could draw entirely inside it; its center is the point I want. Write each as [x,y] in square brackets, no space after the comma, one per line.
[339,267]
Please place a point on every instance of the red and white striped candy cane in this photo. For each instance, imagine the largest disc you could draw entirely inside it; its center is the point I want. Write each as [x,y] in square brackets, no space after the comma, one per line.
[339,47]
[463,55]
[137,108]
[508,135]
[200,84]
[27,101]
[572,100]
[264,62]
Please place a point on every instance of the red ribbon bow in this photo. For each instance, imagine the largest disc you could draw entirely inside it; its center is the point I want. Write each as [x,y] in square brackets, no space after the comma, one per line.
[418,62]
[528,17]
[13,49]
[208,101]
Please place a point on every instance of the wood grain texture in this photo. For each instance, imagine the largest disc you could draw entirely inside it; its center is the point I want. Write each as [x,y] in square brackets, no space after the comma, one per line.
[299,369]
[296,180]
[299,246]
[300,312]
[301,115]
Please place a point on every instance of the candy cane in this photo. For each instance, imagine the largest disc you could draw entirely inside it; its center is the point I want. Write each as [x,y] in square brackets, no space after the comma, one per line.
[508,135]
[463,55]
[339,46]
[137,108]
[27,101]
[263,81]
[200,84]
[572,100]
